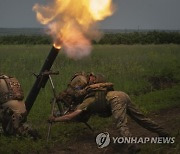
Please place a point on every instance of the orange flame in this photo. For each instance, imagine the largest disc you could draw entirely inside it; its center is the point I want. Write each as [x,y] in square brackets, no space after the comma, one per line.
[57,46]
[72,23]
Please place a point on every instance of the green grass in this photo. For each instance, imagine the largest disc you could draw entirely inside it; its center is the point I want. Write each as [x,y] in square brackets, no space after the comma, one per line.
[128,67]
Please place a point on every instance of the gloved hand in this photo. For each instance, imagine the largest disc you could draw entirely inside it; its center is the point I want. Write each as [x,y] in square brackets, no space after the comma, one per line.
[51,119]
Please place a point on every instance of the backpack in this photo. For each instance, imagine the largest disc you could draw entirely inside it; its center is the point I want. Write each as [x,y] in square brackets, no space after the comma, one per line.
[10,89]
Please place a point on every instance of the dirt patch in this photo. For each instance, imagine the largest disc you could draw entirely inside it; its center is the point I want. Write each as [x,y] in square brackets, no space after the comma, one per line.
[85,143]
[167,118]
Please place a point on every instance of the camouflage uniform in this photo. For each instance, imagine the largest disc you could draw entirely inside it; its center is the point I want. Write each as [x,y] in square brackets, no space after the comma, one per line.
[122,105]
[12,108]
[105,102]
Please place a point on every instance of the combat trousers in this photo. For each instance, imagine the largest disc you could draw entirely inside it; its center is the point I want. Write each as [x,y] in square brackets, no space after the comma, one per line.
[12,117]
[121,105]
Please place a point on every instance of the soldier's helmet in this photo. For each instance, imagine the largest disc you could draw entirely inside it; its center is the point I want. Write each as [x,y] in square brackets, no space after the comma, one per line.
[100,78]
[3,76]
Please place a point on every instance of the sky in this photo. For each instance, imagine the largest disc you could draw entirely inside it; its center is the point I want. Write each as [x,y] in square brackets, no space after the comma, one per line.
[129,14]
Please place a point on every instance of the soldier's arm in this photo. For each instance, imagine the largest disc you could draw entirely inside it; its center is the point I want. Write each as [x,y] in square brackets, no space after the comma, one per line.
[75,114]
[67,117]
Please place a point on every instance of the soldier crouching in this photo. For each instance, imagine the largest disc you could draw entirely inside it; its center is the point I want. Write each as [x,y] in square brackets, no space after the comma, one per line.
[91,94]
[12,108]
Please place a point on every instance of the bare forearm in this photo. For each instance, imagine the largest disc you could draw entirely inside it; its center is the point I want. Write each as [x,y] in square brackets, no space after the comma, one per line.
[62,119]
[68,117]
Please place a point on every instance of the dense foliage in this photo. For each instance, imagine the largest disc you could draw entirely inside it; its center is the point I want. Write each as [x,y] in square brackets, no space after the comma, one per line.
[153,37]
[141,38]
[25,39]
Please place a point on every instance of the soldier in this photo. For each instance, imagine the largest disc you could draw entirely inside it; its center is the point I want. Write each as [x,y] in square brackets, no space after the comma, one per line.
[12,108]
[91,94]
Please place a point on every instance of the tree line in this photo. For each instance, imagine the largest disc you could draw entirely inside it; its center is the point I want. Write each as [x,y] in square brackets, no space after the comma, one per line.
[154,37]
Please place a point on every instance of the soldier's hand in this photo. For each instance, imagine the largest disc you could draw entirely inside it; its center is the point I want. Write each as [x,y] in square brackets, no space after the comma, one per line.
[51,119]
[89,88]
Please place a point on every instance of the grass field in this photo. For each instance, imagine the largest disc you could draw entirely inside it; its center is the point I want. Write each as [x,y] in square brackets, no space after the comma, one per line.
[150,74]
